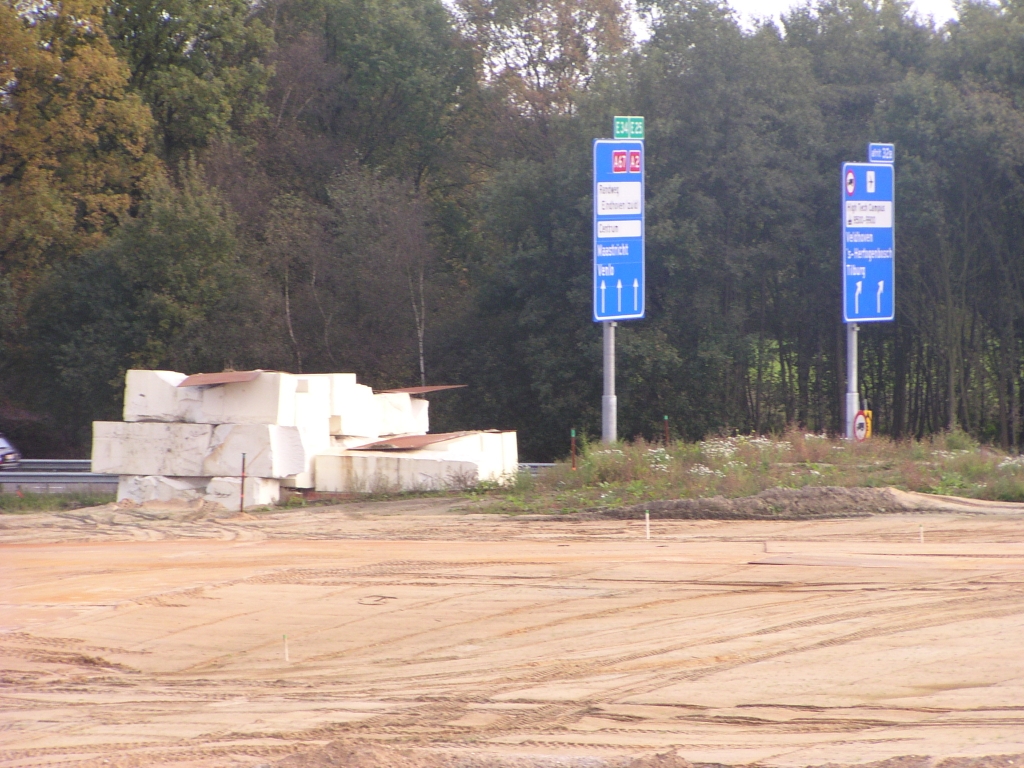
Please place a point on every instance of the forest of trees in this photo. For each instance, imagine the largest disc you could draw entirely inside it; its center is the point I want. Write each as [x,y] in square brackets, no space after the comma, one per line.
[401,188]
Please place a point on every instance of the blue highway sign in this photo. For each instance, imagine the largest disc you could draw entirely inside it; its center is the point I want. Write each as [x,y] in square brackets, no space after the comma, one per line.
[618,230]
[881,153]
[869,265]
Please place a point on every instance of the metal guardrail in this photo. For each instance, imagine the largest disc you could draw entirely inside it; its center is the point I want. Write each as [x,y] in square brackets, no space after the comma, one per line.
[8,476]
[55,465]
[56,482]
[534,468]
[69,475]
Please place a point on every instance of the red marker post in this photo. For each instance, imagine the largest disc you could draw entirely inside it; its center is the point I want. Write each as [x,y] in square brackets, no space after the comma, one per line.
[241,492]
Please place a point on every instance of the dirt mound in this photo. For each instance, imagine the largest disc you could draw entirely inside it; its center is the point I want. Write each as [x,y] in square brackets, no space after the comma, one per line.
[806,503]
[343,754]
[918,761]
[663,760]
[340,753]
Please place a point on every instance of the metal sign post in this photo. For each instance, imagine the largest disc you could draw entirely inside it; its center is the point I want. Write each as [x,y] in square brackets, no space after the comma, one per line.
[609,402]
[869,264]
[852,395]
[618,248]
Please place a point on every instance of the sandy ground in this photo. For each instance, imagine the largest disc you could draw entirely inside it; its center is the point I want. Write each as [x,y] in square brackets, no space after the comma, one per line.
[422,635]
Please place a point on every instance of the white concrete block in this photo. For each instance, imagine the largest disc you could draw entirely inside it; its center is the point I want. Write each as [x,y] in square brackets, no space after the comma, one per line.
[313,399]
[259,491]
[196,450]
[156,396]
[190,405]
[337,444]
[270,451]
[342,442]
[339,384]
[510,453]
[303,480]
[501,456]
[267,399]
[494,452]
[152,395]
[392,471]
[355,412]
[420,415]
[396,417]
[144,488]
[150,448]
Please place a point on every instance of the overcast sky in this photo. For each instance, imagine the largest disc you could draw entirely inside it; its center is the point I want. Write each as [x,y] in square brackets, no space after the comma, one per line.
[940,10]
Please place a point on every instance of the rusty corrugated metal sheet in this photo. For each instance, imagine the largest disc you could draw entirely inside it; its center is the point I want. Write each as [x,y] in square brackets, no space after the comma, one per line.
[421,390]
[410,442]
[225,377]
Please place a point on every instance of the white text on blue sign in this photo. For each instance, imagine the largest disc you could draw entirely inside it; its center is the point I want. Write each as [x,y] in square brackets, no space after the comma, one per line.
[618,230]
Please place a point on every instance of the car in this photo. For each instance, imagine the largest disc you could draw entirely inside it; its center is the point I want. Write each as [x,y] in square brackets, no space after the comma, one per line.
[10,457]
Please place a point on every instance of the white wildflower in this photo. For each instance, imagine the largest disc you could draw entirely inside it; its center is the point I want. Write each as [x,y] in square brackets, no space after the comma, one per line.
[658,459]
[705,471]
[722,448]
[948,454]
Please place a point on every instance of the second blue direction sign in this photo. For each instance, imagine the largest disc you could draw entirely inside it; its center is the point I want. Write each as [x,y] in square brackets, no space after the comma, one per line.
[618,230]
[869,273]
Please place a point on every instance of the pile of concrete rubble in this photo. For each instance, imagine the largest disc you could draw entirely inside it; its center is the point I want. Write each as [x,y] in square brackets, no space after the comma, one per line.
[183,439]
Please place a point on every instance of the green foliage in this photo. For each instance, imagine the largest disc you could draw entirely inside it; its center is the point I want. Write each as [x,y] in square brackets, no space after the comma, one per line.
[74,143]
[542,55]
[15,503]
[630,473]
[401,70]
[146,299]
[1007,489]
[401,188]
[958,440]
[199,66]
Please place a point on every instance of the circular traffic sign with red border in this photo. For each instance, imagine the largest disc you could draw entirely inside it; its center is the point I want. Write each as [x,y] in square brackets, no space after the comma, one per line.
[860,426]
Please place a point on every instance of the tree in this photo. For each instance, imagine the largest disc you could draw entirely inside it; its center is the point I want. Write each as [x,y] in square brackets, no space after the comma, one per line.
[151,297]
[984,48]
[74,142]
[402,71]
[962,192]
[199,66]
[735,245]
[542,54]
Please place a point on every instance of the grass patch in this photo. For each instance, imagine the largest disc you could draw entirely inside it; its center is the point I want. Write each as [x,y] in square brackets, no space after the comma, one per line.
[631,473]
[13,503]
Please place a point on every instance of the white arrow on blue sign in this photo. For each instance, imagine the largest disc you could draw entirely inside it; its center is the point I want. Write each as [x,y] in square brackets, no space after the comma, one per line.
[618,230]
[869,264]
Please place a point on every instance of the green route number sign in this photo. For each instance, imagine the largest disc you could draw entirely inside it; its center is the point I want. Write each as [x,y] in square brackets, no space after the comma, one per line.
[629,127]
